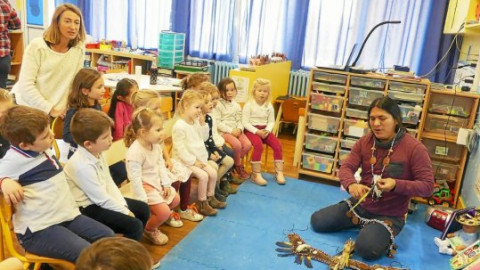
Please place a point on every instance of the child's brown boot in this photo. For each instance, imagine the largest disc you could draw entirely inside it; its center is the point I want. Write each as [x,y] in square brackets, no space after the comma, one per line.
[216,203]
[205,209]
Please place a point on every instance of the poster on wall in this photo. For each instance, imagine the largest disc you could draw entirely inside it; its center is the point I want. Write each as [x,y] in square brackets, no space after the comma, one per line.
[242,88]
[34,12]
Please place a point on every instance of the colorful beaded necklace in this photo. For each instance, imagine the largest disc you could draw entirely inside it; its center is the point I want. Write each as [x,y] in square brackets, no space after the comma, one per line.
[373,161]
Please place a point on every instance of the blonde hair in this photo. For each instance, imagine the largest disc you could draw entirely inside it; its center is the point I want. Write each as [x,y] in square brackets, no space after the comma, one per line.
[144,98]
[142,118]
[259,83]
[208,86]
[188,98]
[5,95]
[113,253]
[193,81]
[52,35]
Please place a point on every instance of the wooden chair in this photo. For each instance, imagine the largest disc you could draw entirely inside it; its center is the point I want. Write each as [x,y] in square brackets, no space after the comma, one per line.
[166,106]
[290,112]
[57,129]
[9,241]
[302,122]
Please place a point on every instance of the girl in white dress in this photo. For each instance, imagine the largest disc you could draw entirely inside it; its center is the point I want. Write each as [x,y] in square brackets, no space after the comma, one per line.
[151,181]
[188,137]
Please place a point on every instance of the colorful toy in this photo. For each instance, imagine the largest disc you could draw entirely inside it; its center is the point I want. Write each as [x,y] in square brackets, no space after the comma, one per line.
[305,253]
[459,240]
[441,196]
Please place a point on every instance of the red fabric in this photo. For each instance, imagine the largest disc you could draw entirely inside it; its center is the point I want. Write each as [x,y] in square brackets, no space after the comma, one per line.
[8,20]
[410,166]
[123,117]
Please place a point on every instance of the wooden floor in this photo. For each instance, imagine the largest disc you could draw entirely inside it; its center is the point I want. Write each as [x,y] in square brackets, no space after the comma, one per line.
[175,235]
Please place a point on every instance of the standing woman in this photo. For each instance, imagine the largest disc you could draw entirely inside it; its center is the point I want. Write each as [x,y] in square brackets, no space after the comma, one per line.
[51,62]
[8,21]
[395,167]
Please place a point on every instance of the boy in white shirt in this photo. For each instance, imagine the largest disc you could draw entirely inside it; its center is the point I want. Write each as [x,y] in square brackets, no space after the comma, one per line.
[91,183]
[47,221]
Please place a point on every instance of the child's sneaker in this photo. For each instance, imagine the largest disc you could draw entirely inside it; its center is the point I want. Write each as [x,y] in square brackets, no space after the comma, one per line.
[191,213]
[174,220]
[156,237]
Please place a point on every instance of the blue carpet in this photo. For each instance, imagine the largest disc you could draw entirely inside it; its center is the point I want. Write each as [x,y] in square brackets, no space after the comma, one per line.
[243,235]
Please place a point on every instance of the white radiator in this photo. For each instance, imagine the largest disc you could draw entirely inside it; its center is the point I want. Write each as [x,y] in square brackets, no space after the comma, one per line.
[298,83]
[221,70]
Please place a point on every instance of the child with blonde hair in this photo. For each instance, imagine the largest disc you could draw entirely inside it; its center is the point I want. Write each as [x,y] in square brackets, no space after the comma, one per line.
[147,171]
[258,119]
[121,108]
[87,89]
[6,102]
[207,90]
[193,81]
[188,137]
[152,100]
[229,116]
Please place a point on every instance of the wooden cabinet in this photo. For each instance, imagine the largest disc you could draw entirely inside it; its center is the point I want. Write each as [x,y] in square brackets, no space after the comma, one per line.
[337,105]
[113,61]
[16,45]
[446,112]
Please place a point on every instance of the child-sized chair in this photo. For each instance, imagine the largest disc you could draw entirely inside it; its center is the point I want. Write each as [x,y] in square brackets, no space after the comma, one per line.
[57,129]
[9,241]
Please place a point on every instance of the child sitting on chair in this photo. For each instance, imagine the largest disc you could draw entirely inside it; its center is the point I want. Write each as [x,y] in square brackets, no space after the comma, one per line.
[228,114]
[91,183]
[152,100]
[258,119]
[5,103]
[151,181]
[47,221]
[121,108]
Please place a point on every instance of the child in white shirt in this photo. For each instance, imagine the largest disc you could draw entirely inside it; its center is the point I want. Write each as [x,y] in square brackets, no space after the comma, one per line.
[258,119]
[90,181]
[147,171]
[229,117]
[188,146]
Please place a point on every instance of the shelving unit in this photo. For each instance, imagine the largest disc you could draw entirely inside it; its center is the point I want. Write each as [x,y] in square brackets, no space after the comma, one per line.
[117,61]
[337,105]
[171,49]
[447,112]
[16,45]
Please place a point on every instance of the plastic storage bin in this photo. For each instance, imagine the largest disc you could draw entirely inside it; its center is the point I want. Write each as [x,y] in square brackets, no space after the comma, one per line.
[329,77]
[441,150]
[355,128]
[326,103]
[321,163]
[348,143]
[445,171]
[342,155]
[362,97]
[462,106]
[171,47]
[323,123]
[402,96]
[408,87]
[368,82]
[445,124]
[326,87]
[410,114]
[354,113]
[320,143]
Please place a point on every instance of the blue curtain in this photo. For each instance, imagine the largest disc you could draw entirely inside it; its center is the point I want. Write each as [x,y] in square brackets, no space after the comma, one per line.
[436,44]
